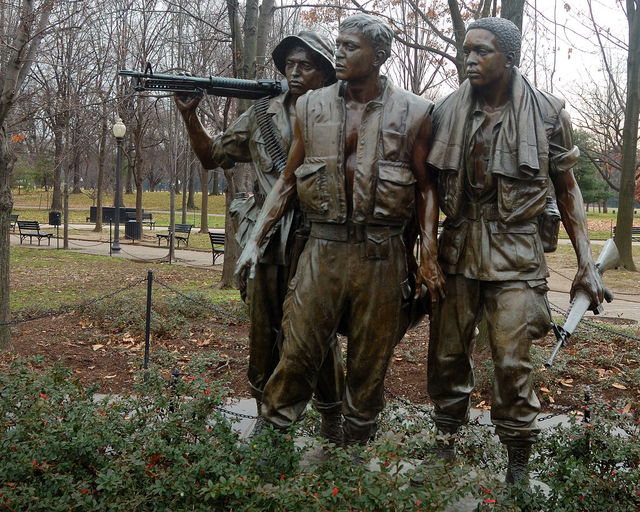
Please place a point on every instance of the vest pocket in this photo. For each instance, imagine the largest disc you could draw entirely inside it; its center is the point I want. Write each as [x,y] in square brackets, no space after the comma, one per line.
[395,191]
[310,178]
[515,247]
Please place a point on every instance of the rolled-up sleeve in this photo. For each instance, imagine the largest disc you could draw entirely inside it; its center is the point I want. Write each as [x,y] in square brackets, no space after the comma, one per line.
[232,146]
[563,153]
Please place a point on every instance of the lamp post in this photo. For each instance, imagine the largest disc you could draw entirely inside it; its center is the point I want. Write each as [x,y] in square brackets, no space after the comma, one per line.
[119,129]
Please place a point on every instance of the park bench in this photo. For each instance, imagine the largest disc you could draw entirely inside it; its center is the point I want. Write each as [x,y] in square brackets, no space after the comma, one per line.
[31,228]
[14,221]
[216,239]
[147,218]
[635,233]
[182,234]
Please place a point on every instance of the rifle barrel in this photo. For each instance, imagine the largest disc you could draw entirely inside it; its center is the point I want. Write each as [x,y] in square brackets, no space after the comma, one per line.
[214,85]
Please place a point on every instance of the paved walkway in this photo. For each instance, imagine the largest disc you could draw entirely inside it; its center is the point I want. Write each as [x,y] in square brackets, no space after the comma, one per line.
[624,309]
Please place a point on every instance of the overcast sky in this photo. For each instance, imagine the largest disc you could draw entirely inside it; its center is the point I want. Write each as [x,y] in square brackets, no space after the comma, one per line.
[578,56]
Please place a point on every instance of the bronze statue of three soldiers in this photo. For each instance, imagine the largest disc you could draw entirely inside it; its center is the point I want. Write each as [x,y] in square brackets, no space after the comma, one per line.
[369,167]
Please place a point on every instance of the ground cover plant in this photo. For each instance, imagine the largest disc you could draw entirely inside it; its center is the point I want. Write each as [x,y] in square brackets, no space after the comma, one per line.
[166,446]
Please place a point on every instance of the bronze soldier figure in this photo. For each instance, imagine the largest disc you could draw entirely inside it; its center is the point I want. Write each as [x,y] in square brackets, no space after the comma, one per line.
[357,166]
[306,60]
[497,143]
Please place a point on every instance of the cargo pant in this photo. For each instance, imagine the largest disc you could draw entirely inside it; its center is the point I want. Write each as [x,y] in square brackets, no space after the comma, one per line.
[359,285]
[266,292]
[517,312]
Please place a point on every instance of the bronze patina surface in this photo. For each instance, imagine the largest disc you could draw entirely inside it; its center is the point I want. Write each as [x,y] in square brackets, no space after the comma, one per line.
[307,62]
[357,167]
[500,147]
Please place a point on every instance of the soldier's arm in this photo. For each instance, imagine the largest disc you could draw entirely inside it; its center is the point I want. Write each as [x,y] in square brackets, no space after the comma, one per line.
[226,149]
[429,272]
[278,201]
[572,210]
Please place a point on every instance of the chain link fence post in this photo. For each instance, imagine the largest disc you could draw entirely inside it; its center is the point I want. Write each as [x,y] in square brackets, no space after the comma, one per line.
[147,328]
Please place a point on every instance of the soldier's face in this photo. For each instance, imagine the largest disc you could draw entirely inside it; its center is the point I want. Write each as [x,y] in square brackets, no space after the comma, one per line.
[301,72]
[355,57]
[484,64]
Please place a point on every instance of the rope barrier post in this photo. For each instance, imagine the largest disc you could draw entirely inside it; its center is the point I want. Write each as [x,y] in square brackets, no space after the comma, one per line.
[147,328]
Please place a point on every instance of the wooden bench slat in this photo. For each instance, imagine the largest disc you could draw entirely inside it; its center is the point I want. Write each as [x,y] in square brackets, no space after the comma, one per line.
[180,231]
[217,239]
[31,228]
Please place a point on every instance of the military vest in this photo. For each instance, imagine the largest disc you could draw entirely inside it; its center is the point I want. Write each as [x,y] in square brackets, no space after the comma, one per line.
[384,184]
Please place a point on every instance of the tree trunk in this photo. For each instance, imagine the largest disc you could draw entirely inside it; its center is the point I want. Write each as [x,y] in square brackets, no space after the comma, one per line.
[458,33]
[7,160]
[191,203]
[513,10]
[624,220]
[204,204]
[56,196]
[185,174]
[104,130]
[76,169]
[231,247]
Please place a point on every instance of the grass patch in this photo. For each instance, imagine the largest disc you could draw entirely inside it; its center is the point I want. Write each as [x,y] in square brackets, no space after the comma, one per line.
[43,280]
[158,201]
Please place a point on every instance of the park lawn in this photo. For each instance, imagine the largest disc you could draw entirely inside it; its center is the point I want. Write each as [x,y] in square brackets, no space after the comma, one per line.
[216,221]
[45,280]
[151,201]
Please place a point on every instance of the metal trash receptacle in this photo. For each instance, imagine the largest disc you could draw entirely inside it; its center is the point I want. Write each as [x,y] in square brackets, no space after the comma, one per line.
[55,218]
[133,230]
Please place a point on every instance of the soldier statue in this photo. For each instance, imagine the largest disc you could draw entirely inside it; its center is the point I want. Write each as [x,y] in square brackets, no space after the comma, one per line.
[306,60]
[357,167]
[498,144]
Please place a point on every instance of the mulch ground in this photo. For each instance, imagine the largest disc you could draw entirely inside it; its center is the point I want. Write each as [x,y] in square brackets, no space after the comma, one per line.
[111,360]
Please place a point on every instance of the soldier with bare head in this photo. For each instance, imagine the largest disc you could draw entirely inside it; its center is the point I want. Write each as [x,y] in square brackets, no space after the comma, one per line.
[357,167]
[499,145]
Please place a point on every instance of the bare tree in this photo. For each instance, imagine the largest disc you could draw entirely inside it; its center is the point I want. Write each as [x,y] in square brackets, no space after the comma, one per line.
[23,27]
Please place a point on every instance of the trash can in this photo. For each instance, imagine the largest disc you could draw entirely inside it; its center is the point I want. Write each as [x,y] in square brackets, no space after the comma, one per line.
[55,218]
[133,230]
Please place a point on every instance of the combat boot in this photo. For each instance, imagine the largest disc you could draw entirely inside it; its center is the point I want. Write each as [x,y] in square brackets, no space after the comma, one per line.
[517,468]
[331,424]
[444,450]
[260,424]
[356,434]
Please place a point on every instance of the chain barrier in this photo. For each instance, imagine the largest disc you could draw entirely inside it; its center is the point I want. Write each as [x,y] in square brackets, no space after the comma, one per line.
[138,258]
[612,291]
[235,319]
[236,414]
[68,309]
[86,246]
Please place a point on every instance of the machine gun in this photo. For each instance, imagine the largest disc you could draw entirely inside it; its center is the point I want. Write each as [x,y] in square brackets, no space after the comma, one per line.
[609,258]
[214,85]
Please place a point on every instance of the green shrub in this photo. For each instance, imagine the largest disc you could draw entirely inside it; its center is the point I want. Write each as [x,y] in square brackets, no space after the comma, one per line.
[167,447]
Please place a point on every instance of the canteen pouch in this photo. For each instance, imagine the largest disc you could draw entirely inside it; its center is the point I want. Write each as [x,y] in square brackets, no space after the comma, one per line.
[549,225]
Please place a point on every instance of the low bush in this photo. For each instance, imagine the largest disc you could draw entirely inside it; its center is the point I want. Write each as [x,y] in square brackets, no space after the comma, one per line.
[168,447]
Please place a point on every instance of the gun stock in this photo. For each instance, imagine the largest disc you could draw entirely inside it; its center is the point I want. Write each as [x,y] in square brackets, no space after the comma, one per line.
[213,85]
[608,258]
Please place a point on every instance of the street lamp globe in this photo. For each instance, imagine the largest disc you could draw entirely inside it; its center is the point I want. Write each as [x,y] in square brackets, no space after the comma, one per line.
[119,129]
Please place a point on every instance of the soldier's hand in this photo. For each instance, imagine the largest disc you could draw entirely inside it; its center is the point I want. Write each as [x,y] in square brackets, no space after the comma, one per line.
[187,101]
[589,280]
[430,274]
[246,265]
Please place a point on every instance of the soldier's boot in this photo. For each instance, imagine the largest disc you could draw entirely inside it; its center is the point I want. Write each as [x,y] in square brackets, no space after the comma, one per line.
[331,423]
[518,466]
[444,450]
[260,424]
[358,434]
[445,447]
